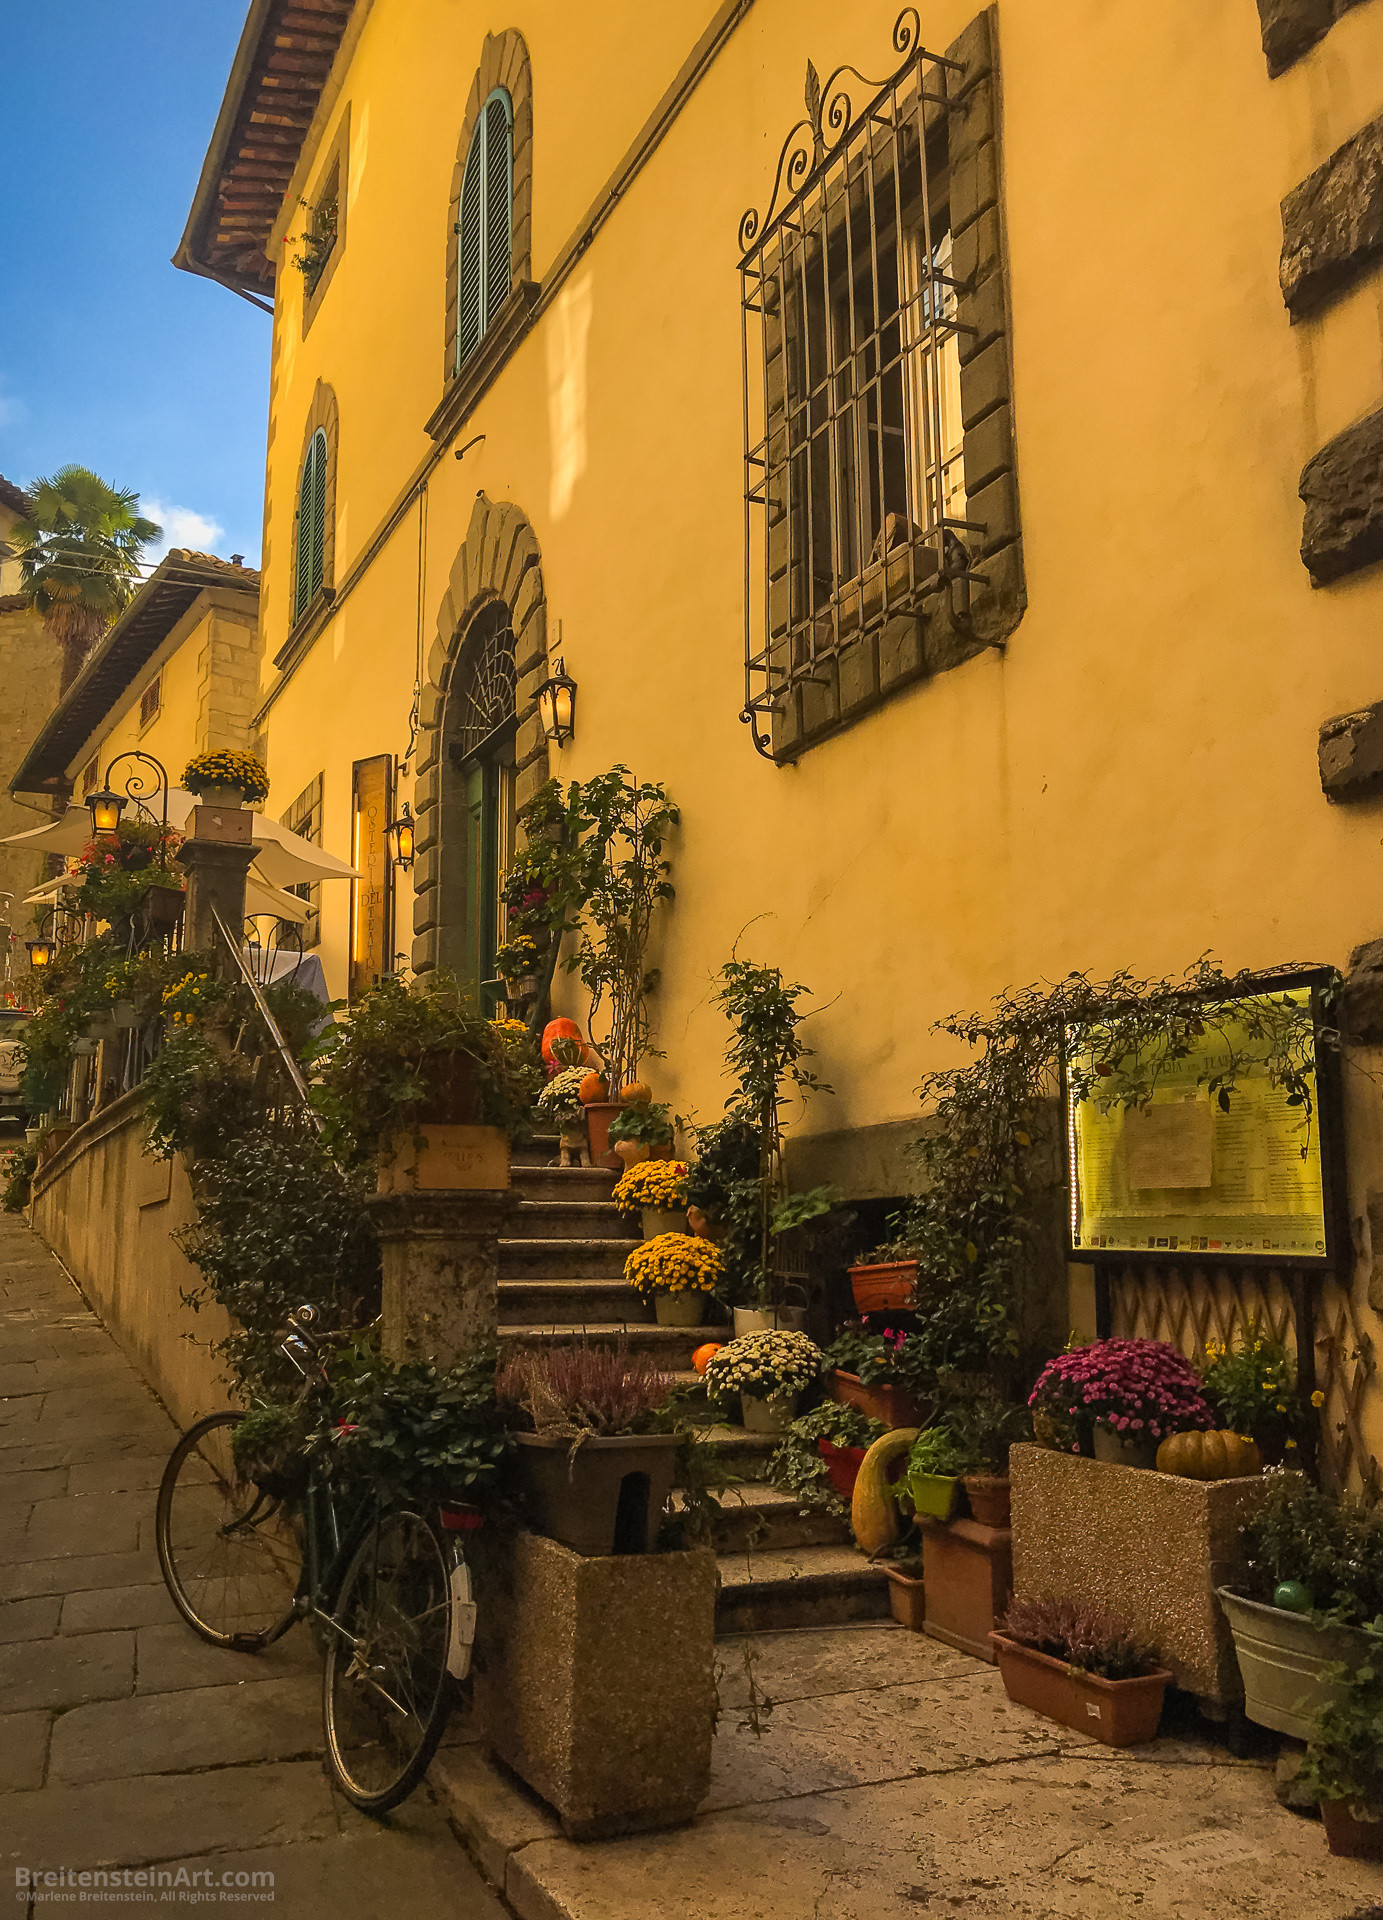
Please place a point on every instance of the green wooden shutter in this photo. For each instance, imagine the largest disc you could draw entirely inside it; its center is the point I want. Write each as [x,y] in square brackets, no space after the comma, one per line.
[312,522]
[319,508]
[469,256]
[499,211]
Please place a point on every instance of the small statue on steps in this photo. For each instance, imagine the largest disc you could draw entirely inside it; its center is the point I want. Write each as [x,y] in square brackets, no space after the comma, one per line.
[573,1148]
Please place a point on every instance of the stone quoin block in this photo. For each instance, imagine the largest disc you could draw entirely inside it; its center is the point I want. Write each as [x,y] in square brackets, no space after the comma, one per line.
[1342,489]
[1291,28]
[1332,224]
[1350,754]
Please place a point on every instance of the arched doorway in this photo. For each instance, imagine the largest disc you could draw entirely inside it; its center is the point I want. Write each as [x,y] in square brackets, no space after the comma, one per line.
[478,730]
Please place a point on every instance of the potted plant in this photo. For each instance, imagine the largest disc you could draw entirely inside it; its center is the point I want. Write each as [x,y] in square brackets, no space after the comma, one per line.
[1134,1393]
[655,1190]
[641,1130]
[885,1279]
[822,1452]
[226,778]
[678,1273]
[592,1471]
[1343,1767]
[412,1073]
[516,964]
[1308,1555]
[887,1375]
[1251,1383]
[907,1592]
[559,1104]
[986,1426]
[1082,1668]
[769,1372]
[936,1461]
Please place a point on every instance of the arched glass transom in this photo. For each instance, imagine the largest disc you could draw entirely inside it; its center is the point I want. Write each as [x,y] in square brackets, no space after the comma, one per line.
[485,227]
[486,696]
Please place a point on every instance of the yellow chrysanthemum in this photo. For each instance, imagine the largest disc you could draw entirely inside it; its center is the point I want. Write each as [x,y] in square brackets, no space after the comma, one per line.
[673,1263]
[652,1183]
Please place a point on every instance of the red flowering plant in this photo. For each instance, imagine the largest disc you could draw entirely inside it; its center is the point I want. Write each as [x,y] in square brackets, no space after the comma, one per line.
[117,870]
[1138,1388]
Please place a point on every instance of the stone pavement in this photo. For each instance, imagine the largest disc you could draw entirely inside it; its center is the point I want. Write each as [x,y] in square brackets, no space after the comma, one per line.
[125,1741]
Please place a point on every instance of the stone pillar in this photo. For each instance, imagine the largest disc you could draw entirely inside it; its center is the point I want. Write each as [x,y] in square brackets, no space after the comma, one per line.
[441,1270]
[216,870]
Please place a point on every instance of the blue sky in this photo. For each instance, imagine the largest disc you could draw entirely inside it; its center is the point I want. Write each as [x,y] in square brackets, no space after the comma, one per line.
[109,357]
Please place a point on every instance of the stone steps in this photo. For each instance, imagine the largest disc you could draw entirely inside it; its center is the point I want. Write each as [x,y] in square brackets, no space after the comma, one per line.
[814,1586]
[757,1516]
[563,1218]
[570,1257]
[673,1347]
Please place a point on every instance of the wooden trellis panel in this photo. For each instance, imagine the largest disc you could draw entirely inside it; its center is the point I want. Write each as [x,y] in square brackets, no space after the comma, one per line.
[1188,1306]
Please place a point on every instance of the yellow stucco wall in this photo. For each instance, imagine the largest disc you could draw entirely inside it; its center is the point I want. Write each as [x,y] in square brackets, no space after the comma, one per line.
[1134,781]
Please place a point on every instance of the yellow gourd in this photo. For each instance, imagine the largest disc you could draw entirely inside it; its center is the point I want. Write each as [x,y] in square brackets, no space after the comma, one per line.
[873,1510]
[1209,1456]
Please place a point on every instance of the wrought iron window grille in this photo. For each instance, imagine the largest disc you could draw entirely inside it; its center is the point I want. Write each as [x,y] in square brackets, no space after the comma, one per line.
[854,491]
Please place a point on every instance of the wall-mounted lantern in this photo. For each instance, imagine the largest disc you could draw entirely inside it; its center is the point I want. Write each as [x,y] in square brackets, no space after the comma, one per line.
[400,833]
[557,705]
[41,952]
[107,806]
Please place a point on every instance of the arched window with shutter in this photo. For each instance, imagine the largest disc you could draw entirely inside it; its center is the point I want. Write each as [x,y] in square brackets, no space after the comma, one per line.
[485,224]
[312,517]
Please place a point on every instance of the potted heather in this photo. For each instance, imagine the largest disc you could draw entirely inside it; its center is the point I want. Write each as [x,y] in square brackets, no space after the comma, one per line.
[678,1272]
[769,1372]
[656,1192]
[1082,1668]
[1313,1581]
[1133,1393]
[1343,1767]
[593,1472]
[226,778]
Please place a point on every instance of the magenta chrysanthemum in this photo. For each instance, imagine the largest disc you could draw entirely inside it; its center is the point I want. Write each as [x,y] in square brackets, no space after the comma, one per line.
[1140,1386]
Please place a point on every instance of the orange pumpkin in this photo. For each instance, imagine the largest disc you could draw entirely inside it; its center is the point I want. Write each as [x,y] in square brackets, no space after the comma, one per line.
[636,1094]
[593,1088]
[701,1359]
[561,1029]
[1209,1456]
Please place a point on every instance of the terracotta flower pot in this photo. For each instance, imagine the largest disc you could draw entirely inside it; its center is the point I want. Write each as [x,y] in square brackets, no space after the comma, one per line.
[685,1307]
[906,1598]
[1352,1831]
[988,1494]
[1121,1713]
[599,1114]
[631,1153]
[702,1226]
[842,1466]
[895,1406]
[882,1288]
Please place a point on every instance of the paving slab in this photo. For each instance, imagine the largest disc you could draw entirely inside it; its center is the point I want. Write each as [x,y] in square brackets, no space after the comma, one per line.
[28,1486]
[32,1619]
[65,1672]
[169,1657]
[129,1473]
[92,1523]
[805,1661]
[179,1732]
[59,1575]
[23,1750]
[103,1609]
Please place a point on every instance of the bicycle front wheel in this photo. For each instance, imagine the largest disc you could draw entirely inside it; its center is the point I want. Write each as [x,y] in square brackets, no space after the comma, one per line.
[385,1689]
[229,1555]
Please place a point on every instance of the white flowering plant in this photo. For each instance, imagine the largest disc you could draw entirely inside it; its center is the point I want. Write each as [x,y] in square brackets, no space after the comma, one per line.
[764,1364]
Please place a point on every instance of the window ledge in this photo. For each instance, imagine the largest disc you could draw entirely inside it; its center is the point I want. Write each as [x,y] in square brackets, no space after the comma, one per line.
[472,379]
[314,618]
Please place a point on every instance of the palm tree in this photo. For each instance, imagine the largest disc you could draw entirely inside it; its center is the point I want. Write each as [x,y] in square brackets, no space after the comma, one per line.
[79,550]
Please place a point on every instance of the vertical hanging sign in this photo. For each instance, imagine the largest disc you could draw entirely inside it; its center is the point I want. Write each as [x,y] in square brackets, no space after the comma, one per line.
[370,956]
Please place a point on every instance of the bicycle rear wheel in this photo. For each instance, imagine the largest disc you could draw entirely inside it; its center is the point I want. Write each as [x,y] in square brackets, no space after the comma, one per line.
[385,1688]
[229,1555]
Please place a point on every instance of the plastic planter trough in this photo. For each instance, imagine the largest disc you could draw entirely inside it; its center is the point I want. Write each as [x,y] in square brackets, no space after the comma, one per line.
[1121,1713]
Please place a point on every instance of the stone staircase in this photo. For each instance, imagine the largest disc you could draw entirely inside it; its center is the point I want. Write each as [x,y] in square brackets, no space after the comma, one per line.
[561,1278]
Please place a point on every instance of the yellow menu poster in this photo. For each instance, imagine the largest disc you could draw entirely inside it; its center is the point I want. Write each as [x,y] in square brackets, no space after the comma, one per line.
[1185,1172]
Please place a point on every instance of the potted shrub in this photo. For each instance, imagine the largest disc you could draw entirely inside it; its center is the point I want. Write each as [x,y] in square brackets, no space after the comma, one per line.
[888,1375]
[516,965]
[936,1461]
[417,1076]
[226,778]
[885,1279]
[1134,1393]
[559,1105]
[1082,1668]
[1252,1385]
[769,1372]
[641,1130]
[678,1273]
[986,1426]
[655,1191]
[1308,1555]
[822,1452]
[592,1471]
[1343,1767]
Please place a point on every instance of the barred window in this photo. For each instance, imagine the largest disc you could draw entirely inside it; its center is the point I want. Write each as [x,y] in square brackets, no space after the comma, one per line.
[855,496]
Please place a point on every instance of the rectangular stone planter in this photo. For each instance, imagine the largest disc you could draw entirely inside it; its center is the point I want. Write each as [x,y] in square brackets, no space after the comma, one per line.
[443,1157]
[601,1495]
[595,1682]
[967,1570]
[1148,1546]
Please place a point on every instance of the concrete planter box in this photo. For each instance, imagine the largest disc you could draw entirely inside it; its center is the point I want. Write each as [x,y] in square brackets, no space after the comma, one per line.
[1148,1546]
[595,1682]
[1281,1656]
[967,1570]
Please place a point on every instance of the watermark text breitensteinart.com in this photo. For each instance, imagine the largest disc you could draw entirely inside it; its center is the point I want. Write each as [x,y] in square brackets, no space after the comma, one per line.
[180,1886]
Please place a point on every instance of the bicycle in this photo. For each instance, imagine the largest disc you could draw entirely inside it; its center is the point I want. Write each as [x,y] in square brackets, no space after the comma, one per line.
[387,1587]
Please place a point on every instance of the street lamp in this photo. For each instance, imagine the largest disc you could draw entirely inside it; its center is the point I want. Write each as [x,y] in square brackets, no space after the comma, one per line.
[400,836]
[557,705]
[107,806]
